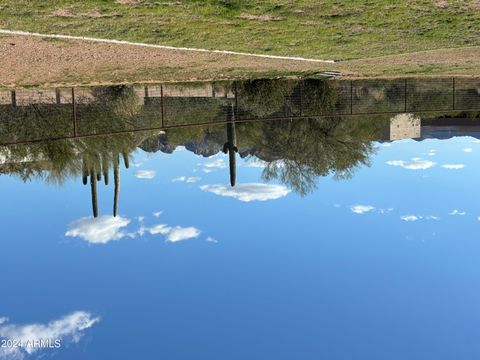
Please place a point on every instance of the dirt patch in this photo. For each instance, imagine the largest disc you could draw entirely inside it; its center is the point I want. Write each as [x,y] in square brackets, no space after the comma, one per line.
[464,5]
[94,14]
[34,61]
[441,4]
[128,2]
[474,4]
[309,23]
[62,13]
[259,17]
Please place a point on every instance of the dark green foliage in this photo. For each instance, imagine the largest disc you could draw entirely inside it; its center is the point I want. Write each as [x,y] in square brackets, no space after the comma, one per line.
[298,152]
[259,98]
[319,96]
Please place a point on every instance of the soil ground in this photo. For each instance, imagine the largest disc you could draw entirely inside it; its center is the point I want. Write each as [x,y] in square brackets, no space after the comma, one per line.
[33,61]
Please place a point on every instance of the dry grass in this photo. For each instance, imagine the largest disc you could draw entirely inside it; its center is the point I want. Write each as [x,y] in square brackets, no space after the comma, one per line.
[128,2]
[93,14]
[259,17]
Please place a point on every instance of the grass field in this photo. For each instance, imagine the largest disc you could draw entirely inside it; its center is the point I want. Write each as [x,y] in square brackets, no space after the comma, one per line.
[380,38]
[326,29]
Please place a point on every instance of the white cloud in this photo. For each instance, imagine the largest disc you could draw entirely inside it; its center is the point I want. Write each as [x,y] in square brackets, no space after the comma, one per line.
[457,212]
[104,229]
[3,319]
[174,234]
[249,191]
[212,240]
[410,218]
[432,152]
[139,162]
[159,229]
[145,174]
[193,179]
[414,164]
[190,179]
[385,211]
[453,166]
[468,150]
[215,164]
[99,230]
[180,233]
[68,328]
[179,179]
[255,163]
[361,209]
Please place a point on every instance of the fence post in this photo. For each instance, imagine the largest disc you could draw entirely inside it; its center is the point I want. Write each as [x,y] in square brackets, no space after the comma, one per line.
[302,84]
[351,97]
[453,94]
[162,105]
[57,96]
[405,94]
[145,92]
[74,113]
[14,98]
[235,93]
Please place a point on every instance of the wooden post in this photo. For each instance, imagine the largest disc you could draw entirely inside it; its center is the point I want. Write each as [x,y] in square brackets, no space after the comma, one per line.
[235,112]
[57,96]
[162,106]
[302,84]
[74,113]
[14,98]
[453,94]
[146,95]
[351,97]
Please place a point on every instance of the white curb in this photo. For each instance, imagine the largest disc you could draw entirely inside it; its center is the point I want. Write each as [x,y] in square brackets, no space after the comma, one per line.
[108,41]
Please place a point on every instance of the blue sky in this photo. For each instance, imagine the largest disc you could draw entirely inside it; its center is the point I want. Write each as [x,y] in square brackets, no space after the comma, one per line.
[382,266]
